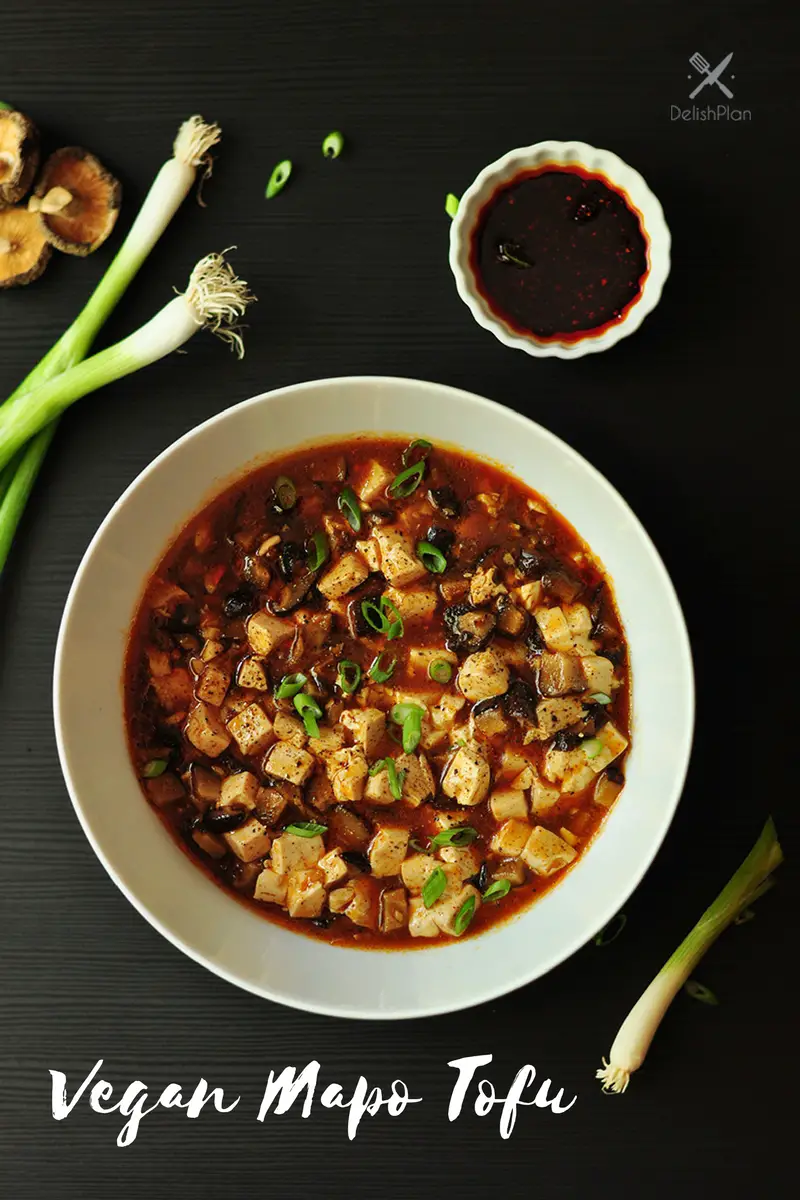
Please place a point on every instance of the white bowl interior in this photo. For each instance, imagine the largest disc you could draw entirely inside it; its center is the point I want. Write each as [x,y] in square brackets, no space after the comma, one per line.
[199,917]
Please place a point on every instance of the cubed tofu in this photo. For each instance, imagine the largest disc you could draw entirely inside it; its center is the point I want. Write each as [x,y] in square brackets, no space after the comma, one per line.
[545,852]
[205,731]
[613,743]
[211,648]
[289,762]
[239,790]
[270,887]
[484,586]
[209,843]
[339,899]
[445,711]
[288,728]
[250,841]
[554,715]
[158,661]
[368,549]
[252,674]
[367,726]
[568,836]
[394,910]
[398,561]
[598,674]
[415,871]
[579,620]
[418,783]
[529,595]
[543,798]
[510,838]
[252,729]
[560,673]
[606,791]
[377,789]
[319,793]
[265,632]
[329,741]
[213,684]
[482,675]
[506,803]
[333,867]
[387,850]
[554,629]
[466,860]
[305,892]
[362,908]
[523,781]
[174,691]
[348,573]
[445,911]
[348,771]
[467,778]
[448,820]
[420,921]
[415,605]
[375,482]
[421,657]
[569,767]
[290,851]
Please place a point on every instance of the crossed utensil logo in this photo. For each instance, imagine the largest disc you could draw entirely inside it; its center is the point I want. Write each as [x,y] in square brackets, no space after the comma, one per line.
[703,67]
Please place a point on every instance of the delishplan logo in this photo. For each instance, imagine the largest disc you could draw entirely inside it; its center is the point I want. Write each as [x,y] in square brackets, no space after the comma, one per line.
[711,80]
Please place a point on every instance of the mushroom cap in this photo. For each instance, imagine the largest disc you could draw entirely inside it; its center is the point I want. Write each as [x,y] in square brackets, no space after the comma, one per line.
[19,155]
[24,250]
[88,217]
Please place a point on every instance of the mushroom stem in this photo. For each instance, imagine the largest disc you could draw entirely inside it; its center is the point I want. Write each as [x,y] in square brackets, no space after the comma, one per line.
[54,201]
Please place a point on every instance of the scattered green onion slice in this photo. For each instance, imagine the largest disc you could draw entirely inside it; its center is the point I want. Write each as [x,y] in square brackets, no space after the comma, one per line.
[379,673]
[496,890]
[394,628]
[309,711]
[431,558]
[592,747]
[289,686]
[440,671]
[307,829]
[698,991]
[410,717]
[418,846]
[464,914]
[285,492]
[434,886]
[396,777]
[333,144]
[317,550]
[600,698]
[407,481]
[451,203]
[279,178]
[156,767]
[375,616]
[378,766]
[3,104]
[399,713]
[349,675]
[612,930]
[418,449]
[460,836]
[349,506]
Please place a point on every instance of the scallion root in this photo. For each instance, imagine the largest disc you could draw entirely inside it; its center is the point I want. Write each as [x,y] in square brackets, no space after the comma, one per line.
[219,299]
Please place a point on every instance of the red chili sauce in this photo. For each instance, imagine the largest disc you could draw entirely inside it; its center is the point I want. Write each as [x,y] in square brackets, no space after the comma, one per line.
[560,254]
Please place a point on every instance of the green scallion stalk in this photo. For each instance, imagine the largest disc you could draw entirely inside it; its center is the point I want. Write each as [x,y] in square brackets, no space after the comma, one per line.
[451,204]
[639,1028]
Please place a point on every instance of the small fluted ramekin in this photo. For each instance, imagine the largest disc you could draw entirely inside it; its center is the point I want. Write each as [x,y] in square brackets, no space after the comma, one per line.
[618,175]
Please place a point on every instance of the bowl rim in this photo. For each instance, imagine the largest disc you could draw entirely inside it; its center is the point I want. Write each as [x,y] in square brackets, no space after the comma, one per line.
[620,175]
[673,792]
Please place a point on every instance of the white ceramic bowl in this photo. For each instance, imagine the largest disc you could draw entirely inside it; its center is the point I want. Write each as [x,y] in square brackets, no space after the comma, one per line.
[618,175]
[177,898]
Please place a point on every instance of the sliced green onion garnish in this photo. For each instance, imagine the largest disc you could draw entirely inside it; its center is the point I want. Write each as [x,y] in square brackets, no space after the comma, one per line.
[496,890]
[464,914]
[348,504]
[285,492]
[395,777]
[307,829]
[317,550]
[434,886]
[418,449]
[399,713]
[379,673]
[698,991]
[378,766]
[418,846]
[440,671]
[289,686]
[612,930]
[460,836]
[431,557]
[279,178]
[407,481]
[410,717]
[592,747]
[451,205]
[333,145]
[349,675]
[394,629]
[310,711]
[600,698]
[372,614]
[5,106]
[156,767]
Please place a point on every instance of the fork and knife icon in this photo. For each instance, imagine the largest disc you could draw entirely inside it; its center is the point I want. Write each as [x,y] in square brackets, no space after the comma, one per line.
[702,66]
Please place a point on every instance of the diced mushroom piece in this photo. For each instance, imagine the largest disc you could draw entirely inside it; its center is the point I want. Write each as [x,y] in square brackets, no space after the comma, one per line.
[349,572]
[445,911]
[367,726]
[288,728]
[484,586]
[362,908]
[250,841]
[418,784]
[511,869]
[305,892]
[415,871]
[413,606]
[347,770]
[420,921]
[398,562]
[204,785]
[319,793]
[270,887]
[289,762]
[347,829]
[560,674]
[252,730]
[598,674]
[333,867]
[265,632]
[164,789]
[613,743]
[369,552]
[506,803]
[271,804]
[213,684]
[554,715]
[206,732]
[467,778]
[543,798]
[466,860]
[394,910]
[545,852]
[174,691]
[511,838]
[375,482]
[239,790]
[251,674]
[511,620]
[158,661]
[211,845]
[606,790]
[387,850]
[483,675]
[290,851]
[488,719]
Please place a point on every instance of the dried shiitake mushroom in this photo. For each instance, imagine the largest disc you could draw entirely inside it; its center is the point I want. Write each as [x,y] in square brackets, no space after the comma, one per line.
[19,155]
[24,249]
[77,201]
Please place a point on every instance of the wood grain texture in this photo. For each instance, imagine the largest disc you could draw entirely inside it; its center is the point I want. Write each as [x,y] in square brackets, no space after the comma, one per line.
[349,264]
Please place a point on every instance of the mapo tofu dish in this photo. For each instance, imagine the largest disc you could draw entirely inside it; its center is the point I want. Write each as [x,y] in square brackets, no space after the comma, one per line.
[380,692]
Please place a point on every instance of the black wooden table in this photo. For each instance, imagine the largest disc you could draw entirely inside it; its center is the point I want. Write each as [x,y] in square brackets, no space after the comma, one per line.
[688,418]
